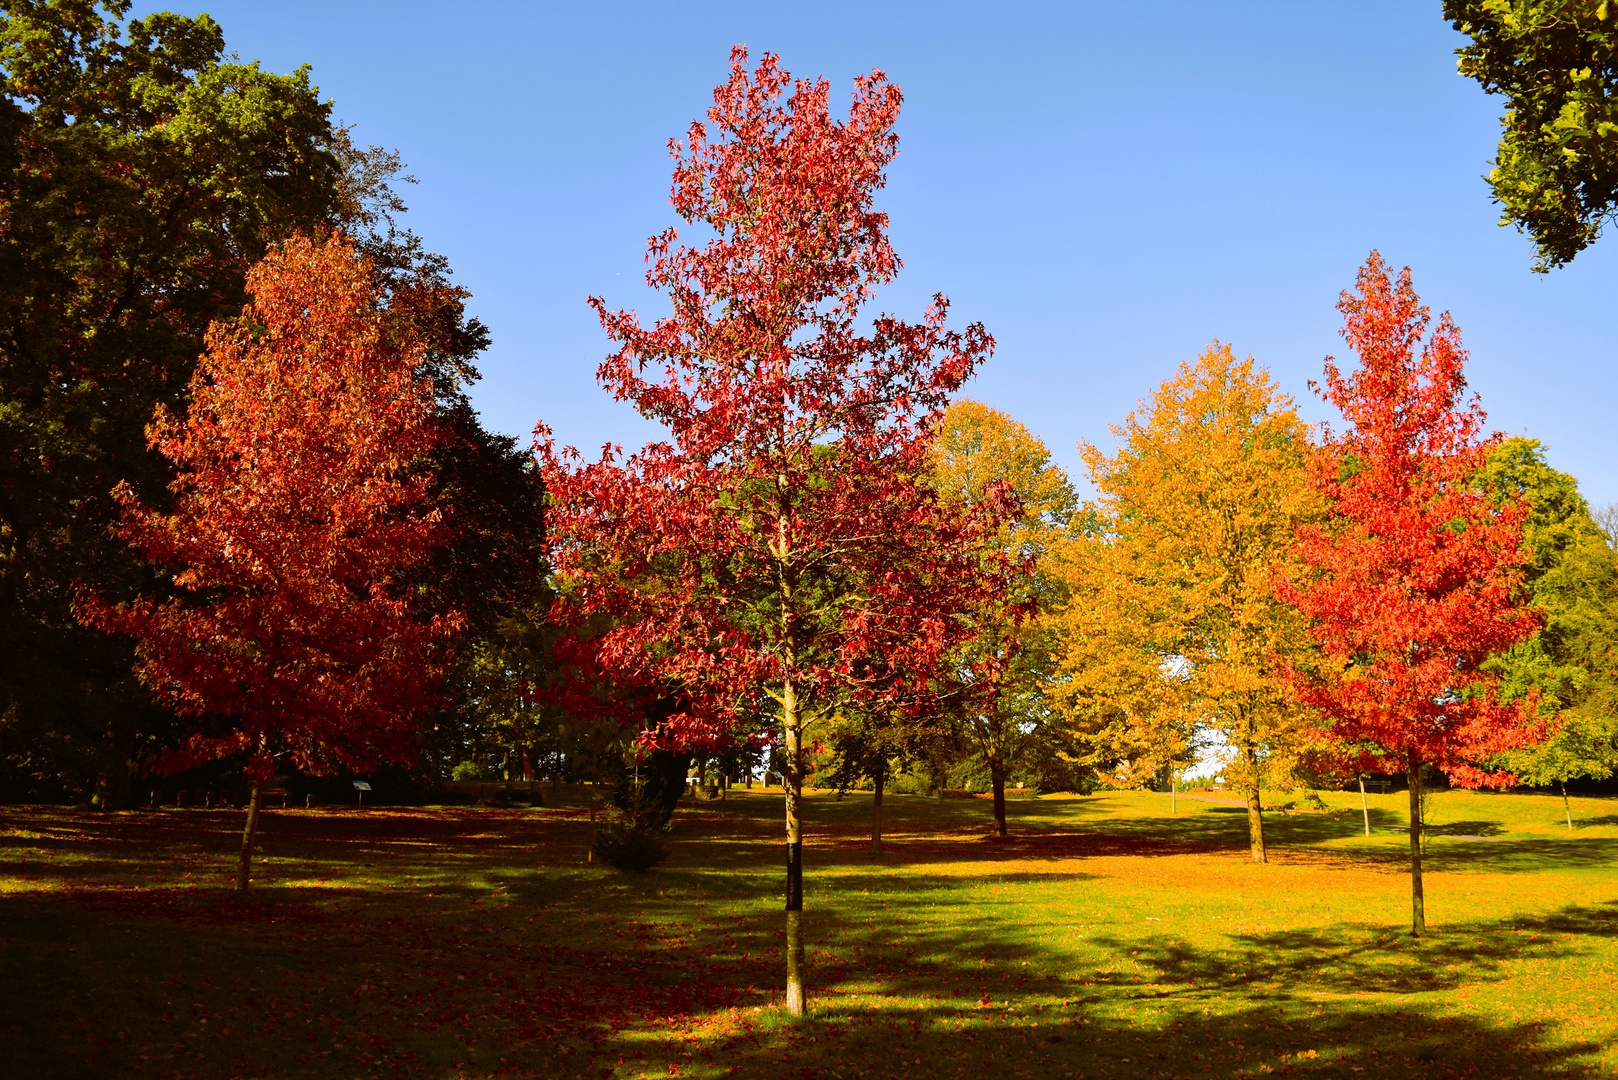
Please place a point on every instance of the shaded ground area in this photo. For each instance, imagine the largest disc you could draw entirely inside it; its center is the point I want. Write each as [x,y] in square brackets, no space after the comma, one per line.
[1106,938]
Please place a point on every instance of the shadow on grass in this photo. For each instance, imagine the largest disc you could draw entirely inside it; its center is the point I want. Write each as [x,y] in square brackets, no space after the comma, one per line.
[1243,1042]
[447,987]
[511,960]
[1386,960]
[1466,829]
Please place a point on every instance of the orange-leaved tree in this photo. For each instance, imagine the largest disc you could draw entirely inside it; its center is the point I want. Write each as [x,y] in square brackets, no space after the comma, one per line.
[1416,577]
[1174,634]
[783,556]
[301,506]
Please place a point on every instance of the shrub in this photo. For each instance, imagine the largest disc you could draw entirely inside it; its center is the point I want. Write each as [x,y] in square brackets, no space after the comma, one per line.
[629,842]
[466,770]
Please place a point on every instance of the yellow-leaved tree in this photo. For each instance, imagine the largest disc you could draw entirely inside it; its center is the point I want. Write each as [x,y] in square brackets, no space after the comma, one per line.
[1173,635]
[976,448]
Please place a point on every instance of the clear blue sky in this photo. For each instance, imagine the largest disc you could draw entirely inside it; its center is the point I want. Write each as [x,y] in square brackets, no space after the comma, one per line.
[1106,186]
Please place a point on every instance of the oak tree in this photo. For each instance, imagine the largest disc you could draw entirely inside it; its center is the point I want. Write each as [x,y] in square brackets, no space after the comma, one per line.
[1556,64]
[1416,577]
[782,553]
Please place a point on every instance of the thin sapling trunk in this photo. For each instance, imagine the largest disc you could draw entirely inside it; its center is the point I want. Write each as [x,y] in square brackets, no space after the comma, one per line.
[249,832]
[997,777]
[878,776]
[1566,809]
[1418,909]
[1365,808]
[792,786]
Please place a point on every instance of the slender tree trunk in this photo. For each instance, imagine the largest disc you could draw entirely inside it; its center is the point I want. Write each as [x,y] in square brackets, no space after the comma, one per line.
[878,775]
[1418,908]
[590,855]
[1255,810]
[1255,825]
[1174,794]
[1364,807]
[997,778]
[792,786]
[249,831]
[1566,809]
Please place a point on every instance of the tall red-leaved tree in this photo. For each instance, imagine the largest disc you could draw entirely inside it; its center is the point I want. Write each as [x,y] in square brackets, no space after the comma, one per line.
[300,508]
[782,554]
[1416,577]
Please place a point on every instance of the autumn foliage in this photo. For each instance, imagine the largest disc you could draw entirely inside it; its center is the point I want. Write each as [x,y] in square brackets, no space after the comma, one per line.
[1417,576]
[300,507]
[1418,573]
[782,552]
[1175,635]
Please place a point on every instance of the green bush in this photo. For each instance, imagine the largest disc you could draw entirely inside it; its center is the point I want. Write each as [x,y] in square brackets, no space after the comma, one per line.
[466,770]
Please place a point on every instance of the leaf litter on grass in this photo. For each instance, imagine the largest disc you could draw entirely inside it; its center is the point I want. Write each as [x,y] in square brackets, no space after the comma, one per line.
[480,947]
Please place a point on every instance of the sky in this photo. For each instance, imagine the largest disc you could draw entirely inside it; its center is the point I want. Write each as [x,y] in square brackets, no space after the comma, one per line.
[1107,187]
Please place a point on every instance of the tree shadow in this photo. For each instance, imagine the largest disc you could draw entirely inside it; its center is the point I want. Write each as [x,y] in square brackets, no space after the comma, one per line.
[1466,829]
[482,948]
[1385,959]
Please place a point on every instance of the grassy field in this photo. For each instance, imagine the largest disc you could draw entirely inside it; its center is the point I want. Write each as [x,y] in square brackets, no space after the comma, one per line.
[1105,938]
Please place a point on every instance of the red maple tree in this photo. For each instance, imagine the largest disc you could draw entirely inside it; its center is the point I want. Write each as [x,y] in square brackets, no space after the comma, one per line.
[1416,577]
[300,506]
[783,554]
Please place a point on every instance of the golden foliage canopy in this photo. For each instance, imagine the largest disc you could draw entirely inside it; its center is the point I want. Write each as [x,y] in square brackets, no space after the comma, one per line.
[1174,633]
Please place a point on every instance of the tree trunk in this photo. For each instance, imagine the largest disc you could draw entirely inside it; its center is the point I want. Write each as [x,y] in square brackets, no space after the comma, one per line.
[1255,824]
[115,771]
[1418,909]
[1566,809]
[792,787]
[527,764]
[248,833]
[1364,808]
[997,777]
[1174,794]
[879,774]
[590,855]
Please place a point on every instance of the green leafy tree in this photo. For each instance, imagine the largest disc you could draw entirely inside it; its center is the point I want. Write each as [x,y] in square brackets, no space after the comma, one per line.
[1556,64]
[141,174]
[1573,662]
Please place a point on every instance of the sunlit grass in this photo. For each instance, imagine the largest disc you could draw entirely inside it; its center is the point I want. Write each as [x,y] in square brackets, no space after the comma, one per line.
[1106,938]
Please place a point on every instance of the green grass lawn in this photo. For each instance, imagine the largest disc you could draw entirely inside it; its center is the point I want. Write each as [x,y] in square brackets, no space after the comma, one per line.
[1105,938]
